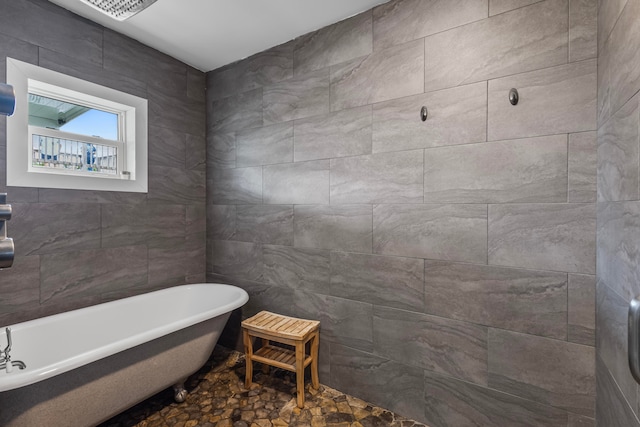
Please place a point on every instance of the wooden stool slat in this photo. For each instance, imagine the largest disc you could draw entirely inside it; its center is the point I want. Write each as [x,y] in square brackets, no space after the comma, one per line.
[285,324]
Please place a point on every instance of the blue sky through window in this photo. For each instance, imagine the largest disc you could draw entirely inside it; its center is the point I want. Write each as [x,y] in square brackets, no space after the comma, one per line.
[94,123]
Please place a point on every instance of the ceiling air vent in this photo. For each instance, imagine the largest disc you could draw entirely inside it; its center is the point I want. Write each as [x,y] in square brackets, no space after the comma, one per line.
[120,9]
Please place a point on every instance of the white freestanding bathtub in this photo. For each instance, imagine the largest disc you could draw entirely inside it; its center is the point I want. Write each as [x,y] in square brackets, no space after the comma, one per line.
[87,365]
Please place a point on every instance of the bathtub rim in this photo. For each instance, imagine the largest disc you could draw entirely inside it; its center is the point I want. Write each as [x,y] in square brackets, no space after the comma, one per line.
[20,378]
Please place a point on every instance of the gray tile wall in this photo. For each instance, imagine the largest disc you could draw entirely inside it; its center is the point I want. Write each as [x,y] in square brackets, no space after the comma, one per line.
[77,248]
[451,262]
[618,214]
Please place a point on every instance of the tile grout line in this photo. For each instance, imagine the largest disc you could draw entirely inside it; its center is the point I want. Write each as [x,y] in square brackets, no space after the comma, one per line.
[568,31]
[487,233]
[486,123]
[568,164]
[568,305]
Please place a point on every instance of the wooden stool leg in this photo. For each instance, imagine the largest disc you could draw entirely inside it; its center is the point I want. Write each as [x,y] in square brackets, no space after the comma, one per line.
[248,350]
[265,367]
[315,382]
[300,372]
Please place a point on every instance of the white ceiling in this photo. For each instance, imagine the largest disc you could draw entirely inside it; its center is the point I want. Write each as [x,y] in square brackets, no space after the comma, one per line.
[208,34]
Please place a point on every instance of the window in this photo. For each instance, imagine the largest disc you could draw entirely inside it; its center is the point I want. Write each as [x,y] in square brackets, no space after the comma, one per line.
[70,133]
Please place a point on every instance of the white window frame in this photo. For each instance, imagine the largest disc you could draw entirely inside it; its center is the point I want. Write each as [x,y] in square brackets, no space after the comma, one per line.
[132,141]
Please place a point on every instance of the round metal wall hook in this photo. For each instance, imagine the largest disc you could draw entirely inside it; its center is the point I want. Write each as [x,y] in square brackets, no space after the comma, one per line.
[424,113]
[514,97]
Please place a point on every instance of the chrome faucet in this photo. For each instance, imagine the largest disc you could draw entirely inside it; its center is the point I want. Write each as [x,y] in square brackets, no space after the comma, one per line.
[5,358]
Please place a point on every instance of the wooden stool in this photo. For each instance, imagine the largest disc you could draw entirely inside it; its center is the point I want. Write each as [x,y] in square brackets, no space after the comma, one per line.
[285,330]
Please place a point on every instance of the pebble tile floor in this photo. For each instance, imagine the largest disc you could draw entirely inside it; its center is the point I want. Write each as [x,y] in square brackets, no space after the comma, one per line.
[217,398]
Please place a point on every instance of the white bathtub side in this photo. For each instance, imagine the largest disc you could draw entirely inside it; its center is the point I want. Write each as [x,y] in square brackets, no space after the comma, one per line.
[93,393]
[56,344]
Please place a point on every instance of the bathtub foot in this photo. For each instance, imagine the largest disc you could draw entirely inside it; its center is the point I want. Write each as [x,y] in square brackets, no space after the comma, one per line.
[179,392]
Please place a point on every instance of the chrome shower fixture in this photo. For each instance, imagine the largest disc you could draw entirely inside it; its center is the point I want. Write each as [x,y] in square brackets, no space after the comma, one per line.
[119,9]
[7,248]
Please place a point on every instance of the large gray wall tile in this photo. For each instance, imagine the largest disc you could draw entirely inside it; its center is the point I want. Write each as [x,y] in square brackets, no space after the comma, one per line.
[49,26]
[221,150]
[18,49]
[175,185]
[446,232]
[261,297]
[196,84]
[580,421]
[265,224]
[554,100]
[582,167]
[92,272]
[297,183]
[237,259]
[195,240]
[618,147]
[221,221]
[405,20]
[387,281]
[537,38]
[455,116]
[385,74]
[297,268]
[270,66]
[20,285]
[618,254]
[377,380]
[543,236]
[46,228]
[583,31]
[236,186]
[446,346]
[324,362]
[344,227]
[242,111]
[625,73]
[501,6]
[581,317]
[264,146]
[167,147]
[153,225]
[334,44]
[296,98]
[612,338]
[22,194]
[604,88]
[608,13]
[450,402]
[59,195]
[196,152]
[378,178]
[180,114]
[166,266]
[343,321]
[529,301]
[124,55]
[518,364]
[534,170]
[340,134]
[79,67]
[612,409]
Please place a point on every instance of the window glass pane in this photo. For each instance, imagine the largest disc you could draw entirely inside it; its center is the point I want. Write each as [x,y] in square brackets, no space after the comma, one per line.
[55,114]
[74,156]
